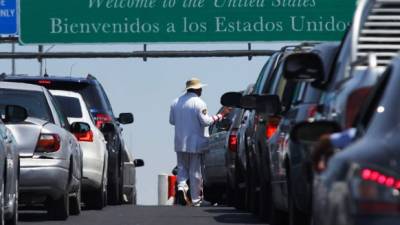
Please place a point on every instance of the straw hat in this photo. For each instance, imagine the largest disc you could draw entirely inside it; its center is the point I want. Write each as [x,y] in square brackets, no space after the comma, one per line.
[194,83]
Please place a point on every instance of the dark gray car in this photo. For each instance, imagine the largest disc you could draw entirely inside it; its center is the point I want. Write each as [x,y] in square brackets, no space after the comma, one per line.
[361,183]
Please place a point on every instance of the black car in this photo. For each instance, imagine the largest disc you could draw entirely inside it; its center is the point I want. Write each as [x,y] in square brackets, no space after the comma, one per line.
[250,164]
[290,171]
[121,172]
[361,183]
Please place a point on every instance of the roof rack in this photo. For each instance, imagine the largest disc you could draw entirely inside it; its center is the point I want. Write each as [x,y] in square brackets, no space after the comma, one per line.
[300,47]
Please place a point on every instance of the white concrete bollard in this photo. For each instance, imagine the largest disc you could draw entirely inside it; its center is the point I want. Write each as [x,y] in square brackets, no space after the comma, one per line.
[163,189]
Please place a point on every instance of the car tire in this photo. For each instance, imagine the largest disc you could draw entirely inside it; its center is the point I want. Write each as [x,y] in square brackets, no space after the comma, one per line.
[13,220]
[276,216]
[296,217]
[214,194]
[131,197]
[264,203]
[2,204]
[75,201]
[58,209]
[114,184]
[230,194]
[240,192]
[251,186]
[97,199]
[105,195]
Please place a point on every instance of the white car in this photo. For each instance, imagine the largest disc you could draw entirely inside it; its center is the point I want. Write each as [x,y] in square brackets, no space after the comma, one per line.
[94,148]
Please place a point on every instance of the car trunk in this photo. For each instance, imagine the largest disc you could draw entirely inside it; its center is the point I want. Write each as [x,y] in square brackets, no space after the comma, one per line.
[27,135]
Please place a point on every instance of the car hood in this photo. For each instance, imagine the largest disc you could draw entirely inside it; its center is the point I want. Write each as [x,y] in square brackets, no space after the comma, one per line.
[26,135]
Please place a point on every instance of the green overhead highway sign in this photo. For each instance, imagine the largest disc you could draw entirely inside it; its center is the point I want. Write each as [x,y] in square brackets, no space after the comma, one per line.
[145,21]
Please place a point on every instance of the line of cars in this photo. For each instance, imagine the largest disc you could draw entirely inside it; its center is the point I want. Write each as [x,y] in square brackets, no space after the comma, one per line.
[303,94]
[61,146]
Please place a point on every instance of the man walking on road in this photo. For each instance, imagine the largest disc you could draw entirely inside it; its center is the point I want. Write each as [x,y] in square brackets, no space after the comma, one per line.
[190,117]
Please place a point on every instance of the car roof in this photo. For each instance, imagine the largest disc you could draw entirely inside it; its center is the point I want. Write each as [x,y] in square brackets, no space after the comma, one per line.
[20,86]
[88,79]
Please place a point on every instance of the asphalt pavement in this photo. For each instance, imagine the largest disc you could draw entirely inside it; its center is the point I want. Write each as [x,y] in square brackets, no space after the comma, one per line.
[146,215]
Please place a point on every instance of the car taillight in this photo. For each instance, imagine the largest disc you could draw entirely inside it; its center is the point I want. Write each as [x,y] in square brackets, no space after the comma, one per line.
[48,143]
[101,119]
[271,126]
[380,178]
[233,141]
[44,82]
[378,194]
[312,111]
[355,100]
[85,136]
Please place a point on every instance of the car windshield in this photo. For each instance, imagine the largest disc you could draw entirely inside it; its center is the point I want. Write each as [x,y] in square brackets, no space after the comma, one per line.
[33,101]
[70,106]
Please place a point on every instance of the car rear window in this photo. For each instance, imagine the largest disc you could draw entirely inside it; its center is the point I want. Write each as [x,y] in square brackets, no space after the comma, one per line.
[70,106]
[33,101]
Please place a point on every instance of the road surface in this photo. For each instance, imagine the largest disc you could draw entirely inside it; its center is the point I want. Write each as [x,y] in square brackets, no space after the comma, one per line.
[146,215]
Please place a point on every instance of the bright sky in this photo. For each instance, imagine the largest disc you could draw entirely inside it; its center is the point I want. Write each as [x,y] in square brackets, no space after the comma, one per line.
[147,88]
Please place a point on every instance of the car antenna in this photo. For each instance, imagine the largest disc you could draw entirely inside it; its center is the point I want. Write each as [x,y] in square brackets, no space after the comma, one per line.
[45,69]
[70,69]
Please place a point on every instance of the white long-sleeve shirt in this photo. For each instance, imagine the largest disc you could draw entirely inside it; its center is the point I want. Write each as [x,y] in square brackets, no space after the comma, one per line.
[190,117]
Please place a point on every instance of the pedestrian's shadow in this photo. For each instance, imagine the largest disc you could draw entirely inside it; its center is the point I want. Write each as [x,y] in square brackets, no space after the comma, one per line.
[222,210]
[33,216]
[233,216]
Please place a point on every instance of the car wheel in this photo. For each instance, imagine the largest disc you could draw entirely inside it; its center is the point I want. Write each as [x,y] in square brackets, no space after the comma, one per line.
[296,217]
[58,209]
[114,184]
[75,206]
[339,210]
[2,204]
[251,188]
[213,194]
[230,192]
[276,216]
[240,192]
[264,202]
[97,199]
[13,220]
[134,200]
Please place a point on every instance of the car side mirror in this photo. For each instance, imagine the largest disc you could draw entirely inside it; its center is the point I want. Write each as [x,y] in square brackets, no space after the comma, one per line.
[79,128]
[269,104]
[138,162]
[107,128]
[303,66]
[311,132]
[224,124]
[231,99]
[15,114]
[125,118]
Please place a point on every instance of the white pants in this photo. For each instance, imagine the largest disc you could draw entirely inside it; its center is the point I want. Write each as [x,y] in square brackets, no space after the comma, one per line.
[189,167]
